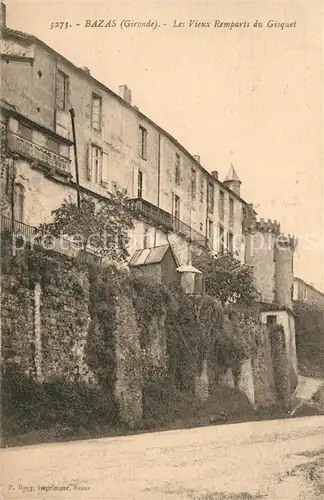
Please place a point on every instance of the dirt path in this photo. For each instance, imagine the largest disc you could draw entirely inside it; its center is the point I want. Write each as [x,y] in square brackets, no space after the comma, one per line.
[230,462]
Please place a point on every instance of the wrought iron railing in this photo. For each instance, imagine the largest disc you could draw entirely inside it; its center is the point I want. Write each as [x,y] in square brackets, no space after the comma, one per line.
[151,211]
[23,234]
[40,154]
[166,220]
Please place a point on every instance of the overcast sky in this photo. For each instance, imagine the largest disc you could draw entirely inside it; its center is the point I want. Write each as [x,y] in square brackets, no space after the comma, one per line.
[251,95]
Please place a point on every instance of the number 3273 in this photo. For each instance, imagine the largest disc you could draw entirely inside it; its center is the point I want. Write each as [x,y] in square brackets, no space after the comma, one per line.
[62,25]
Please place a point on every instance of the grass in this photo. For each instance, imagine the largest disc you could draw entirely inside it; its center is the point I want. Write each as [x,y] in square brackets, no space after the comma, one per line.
[313,471]
[217,495]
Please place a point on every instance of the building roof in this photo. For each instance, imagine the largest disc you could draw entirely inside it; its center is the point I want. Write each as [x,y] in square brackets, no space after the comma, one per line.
[27,38]
[188,269]
[153,255]
[296,279]
[232,175]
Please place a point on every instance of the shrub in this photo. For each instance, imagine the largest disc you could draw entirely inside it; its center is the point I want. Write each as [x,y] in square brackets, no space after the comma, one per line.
[28,405]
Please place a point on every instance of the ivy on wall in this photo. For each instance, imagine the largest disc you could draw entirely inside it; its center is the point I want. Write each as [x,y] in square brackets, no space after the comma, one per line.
[82,307]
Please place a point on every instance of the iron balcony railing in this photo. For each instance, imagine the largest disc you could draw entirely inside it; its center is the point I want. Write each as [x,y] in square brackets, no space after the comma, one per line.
[44,156]
[21,229]
[165,219]
[27,234]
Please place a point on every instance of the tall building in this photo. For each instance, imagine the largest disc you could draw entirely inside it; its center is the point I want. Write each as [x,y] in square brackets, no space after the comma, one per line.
[117,144]
[175,200]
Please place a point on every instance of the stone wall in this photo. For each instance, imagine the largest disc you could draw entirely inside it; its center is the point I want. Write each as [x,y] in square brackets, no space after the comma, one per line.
[53,309]
[259,253]
[264,385]
[128,388]
[45,323]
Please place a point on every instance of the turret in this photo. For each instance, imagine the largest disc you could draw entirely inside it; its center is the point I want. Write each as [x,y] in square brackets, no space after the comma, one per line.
[232,181]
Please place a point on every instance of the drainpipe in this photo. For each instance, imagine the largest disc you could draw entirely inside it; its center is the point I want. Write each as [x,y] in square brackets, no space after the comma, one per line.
[75,156]
[159,179]
[12,202]
[207,204]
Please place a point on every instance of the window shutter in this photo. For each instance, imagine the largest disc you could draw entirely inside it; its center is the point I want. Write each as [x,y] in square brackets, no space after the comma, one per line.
[89,163]
[104,177]
[139,140]
[68,103]
[101,116]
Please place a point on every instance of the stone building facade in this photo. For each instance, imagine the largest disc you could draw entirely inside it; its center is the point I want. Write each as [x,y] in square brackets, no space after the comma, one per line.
[116,144]
[175,200]
[305,292]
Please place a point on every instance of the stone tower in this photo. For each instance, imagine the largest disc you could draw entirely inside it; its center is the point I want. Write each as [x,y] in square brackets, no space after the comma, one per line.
[271,254]
[232,181]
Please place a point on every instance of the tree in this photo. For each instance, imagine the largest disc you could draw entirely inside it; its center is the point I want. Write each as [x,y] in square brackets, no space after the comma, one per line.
[98,226]
[226,278]
[309,326]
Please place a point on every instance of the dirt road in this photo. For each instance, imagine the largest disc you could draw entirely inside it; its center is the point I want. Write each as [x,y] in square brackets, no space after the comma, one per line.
[229,462]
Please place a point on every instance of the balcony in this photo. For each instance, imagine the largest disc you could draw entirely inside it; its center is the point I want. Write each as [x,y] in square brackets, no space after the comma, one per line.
[39,154]
[25,234]
[166,220]
[152,212]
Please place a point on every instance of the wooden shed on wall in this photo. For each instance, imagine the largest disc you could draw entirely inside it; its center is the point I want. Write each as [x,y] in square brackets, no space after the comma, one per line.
[159,262]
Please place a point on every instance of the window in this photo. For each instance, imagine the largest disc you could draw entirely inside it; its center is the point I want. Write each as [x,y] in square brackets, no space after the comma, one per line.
[210,196]
[177,169]
[19,198]
[61,91]
[96,164]
[25,131]
[96,112]
[140,185]
[53,145]
[199,283]
[146,237]
[230,242]
[221,245]
[211,233]
[143,142]
[202,187]
[120,240]
[305,294]
[104,169]
[176,211]
[193,184]
[271,319]
[221,204]
[177,206]
[231,211]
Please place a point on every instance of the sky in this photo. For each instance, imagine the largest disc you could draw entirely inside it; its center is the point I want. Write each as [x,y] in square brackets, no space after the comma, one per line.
[251,95]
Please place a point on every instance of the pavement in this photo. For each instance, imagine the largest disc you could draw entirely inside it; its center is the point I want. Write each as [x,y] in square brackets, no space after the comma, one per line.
[307,387]
[276,460]
[302,397]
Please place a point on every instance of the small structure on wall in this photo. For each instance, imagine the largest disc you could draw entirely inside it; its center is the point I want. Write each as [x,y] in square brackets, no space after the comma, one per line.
[160,263]
[191,279]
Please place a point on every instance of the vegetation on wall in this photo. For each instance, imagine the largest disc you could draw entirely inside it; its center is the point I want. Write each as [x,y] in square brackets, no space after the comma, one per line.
[99,226]
[80,304]
[309,326]
[226,278]
[284,380]
[65,407]
[100,346]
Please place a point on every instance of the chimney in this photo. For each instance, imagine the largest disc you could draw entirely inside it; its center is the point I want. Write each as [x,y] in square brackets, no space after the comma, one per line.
[3,22]
[215,174]
[86,70]
[125,93]
[197,158]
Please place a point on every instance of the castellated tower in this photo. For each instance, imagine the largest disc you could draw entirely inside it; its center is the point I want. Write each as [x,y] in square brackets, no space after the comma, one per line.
[284,270]
[270,253]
